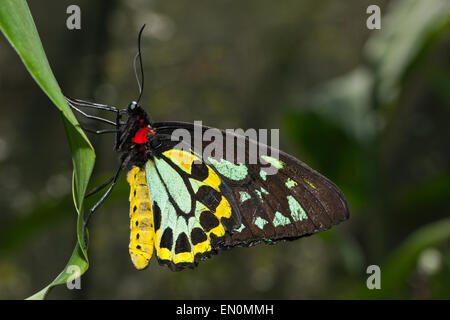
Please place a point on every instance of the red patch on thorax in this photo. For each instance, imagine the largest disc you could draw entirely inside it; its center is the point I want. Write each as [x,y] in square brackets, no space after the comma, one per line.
[141,136]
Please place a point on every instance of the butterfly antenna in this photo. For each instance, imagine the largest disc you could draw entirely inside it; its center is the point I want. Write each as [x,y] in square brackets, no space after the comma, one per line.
[139,55]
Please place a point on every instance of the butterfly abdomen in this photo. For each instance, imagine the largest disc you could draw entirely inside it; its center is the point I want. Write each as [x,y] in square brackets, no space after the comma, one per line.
[142,230]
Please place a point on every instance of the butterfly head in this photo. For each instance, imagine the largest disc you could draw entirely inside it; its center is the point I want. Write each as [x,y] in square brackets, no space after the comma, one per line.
[132,107]
[135,112]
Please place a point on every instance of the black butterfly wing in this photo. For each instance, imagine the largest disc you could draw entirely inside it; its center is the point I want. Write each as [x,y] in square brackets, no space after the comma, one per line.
[295,201]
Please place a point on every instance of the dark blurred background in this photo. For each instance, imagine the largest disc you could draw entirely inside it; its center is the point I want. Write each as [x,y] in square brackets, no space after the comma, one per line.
[370,109]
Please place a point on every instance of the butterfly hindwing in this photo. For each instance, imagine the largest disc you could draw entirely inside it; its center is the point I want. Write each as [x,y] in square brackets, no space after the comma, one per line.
[191,213]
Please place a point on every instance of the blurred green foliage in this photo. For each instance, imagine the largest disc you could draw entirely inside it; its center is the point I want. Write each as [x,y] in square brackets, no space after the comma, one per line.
[354,114]
[368,108]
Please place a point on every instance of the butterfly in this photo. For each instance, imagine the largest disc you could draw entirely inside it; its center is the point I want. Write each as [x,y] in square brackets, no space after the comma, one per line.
[186,204]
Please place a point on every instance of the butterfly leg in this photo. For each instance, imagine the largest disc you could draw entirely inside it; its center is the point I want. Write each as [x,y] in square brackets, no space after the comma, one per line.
[97,189]
[100,131]
[84,103]
[99,202]
[88,115]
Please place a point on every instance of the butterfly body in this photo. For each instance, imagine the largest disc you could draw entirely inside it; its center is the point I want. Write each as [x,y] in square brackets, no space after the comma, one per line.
[142,232]
[132,138]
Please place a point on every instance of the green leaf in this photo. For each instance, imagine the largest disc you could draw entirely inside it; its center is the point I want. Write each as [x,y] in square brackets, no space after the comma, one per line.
[18,26]
[77,259]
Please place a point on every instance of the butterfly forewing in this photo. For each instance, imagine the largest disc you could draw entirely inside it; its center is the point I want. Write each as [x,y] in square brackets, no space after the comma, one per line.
[292,203]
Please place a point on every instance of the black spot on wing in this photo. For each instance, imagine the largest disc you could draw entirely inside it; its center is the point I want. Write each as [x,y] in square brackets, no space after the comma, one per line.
[182,244]
[208,221]
[167,239]
[198,236]
[199,171]
[156,216]
[209,197]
